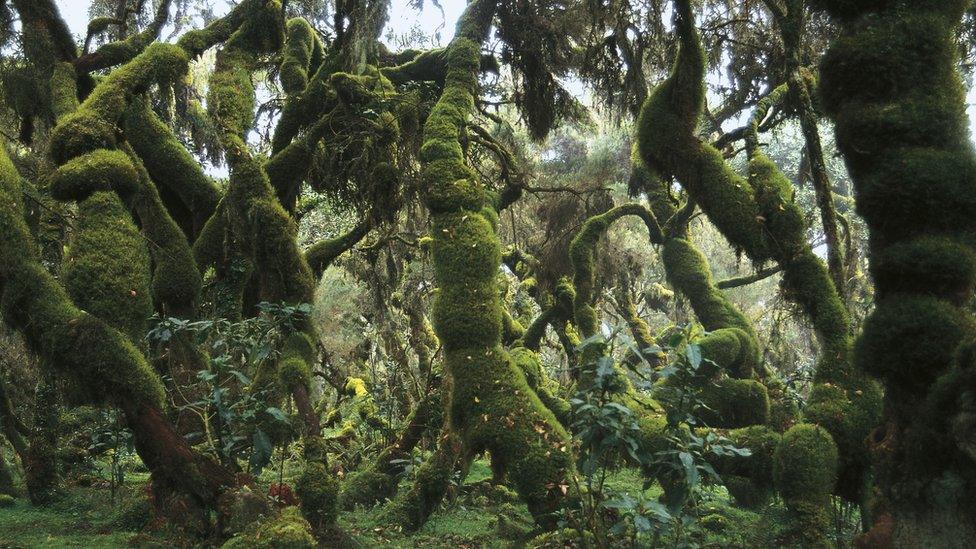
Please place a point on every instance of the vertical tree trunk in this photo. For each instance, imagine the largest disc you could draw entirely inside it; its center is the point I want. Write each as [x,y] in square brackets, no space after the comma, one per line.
[891,85]
[184,484]
[491,406]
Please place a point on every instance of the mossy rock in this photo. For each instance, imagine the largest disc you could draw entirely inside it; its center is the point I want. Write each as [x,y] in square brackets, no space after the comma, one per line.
[287,530]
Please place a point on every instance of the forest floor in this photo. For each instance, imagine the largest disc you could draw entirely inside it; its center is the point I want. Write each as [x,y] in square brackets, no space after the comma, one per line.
[476,517]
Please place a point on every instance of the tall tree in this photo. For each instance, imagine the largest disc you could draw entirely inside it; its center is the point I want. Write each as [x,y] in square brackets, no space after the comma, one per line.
[891,85]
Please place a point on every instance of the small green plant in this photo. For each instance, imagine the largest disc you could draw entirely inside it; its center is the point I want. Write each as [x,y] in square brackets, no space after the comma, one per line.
[234,418]
[112,441]
[607,434]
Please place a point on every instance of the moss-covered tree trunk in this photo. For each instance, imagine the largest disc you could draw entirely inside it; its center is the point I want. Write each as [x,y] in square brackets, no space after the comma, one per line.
[891,85]
[491,406]
[109,273]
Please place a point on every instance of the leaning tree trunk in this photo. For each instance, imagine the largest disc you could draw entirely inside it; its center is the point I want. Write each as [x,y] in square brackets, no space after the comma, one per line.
[99,358]
[891,85]
[109,274]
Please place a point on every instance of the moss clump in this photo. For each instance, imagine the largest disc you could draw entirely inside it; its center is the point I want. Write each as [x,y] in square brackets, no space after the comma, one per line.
[750,479]
[300,44]
[891,85]
[367,487]
[557,539]
[107,266]
[734,403]
[532,338]
[267,233]
[731,343]
[804,467]
[294,365]
[909,341]
[318,491]
[107,271]
[100,170]
[935,266]
[288,530]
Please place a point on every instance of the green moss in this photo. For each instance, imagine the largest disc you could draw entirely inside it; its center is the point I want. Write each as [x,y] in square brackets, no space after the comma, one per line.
[287,530]
[92,126]
[566,537]
[318,491]
[731,344]
[413,507]
[176,281]
[804,465]
[304,109]
[197,41]
[581,253]
[910,341]
[492,406]
[107,270]
[780,218]
[379,480]
[749,479]
[784,410]
[297,59]
[100,170]
[758,216]
[99,358]
[294,365]
[532,338]
[64,90]
[208,248]
[512,329]
[364,488]
[321,254]
[545,387]
[7,501]
[254,215]
[171,167]
[934,265]
[107,266]
[850,414]
[735,403]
